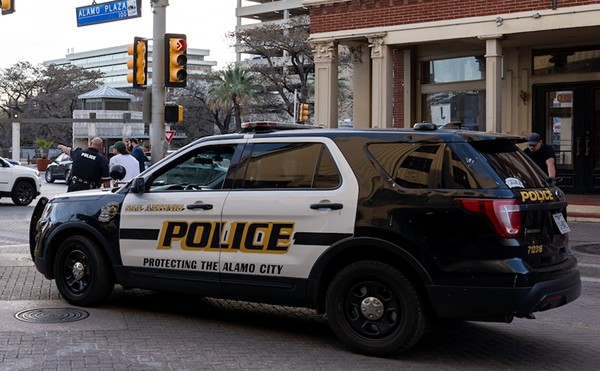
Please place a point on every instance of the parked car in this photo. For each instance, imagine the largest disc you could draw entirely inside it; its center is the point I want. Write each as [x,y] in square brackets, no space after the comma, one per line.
[21,183]
[11,161]
[59,168]
[381,229]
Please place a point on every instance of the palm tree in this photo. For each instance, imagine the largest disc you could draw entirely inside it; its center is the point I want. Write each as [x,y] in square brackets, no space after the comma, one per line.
[232,89]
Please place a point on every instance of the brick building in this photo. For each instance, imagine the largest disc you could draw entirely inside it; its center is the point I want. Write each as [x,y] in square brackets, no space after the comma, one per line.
[511,66]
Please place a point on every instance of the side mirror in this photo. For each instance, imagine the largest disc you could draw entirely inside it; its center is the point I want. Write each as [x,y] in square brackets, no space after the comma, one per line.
[138,186]
[117,172]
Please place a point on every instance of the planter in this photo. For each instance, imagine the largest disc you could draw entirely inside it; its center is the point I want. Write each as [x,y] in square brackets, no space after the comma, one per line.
[42,163]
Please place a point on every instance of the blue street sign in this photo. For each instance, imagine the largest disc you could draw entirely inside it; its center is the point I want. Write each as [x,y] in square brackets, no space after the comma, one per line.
[108,12]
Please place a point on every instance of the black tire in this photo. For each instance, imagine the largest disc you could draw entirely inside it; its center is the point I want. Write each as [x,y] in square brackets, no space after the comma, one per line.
[48,176]
[81,272]
[23,193]
[374,309]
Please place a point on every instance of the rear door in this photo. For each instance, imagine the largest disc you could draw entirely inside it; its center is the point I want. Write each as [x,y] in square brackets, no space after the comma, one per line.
[292,199]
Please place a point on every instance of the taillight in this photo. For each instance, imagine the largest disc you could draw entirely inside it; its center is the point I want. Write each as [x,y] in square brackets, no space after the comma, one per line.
[504,215]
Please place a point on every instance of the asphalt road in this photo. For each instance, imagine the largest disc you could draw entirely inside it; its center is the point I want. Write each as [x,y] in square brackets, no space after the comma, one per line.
[141,330]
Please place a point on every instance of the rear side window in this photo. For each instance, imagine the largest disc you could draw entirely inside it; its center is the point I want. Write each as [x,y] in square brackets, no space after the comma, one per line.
[290,166]
[423,165]
[511,164]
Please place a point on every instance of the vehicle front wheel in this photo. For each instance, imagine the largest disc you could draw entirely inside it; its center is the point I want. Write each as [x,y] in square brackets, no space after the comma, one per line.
[48,176]
[23,193]
[81,272]
[374,309]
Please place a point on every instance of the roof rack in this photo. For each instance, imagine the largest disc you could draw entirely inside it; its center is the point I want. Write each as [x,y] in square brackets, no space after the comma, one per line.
[269,126]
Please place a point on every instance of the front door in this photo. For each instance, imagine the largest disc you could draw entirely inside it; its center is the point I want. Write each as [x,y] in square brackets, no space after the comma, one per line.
[567,116]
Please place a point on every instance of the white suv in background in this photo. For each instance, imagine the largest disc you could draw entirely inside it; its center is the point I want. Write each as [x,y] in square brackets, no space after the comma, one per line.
[20,183]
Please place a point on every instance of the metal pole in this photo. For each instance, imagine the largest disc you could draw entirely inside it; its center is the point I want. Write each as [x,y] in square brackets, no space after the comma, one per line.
[16,141]
[157,130]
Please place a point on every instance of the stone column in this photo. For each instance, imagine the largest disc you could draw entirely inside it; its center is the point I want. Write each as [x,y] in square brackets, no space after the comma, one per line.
[493,82]
[326,83]
[382,82]
[361,92]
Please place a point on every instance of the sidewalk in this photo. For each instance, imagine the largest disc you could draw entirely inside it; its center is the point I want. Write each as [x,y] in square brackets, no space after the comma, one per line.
[584,240]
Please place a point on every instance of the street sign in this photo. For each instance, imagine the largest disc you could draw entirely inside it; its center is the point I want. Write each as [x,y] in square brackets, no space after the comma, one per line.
[169,134]
[108,12]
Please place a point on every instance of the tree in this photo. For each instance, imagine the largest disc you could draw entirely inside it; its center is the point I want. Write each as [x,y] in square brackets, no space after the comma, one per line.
[232,88]
[199,119]
[44,145]
[286,57]
[37,91]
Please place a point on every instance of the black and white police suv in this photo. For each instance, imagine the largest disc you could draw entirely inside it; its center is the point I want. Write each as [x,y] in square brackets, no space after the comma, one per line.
[382,230]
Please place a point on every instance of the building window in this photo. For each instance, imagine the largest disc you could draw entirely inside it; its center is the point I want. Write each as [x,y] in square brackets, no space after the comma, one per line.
[453,92]
[453,70]
[455,109]
[571,60]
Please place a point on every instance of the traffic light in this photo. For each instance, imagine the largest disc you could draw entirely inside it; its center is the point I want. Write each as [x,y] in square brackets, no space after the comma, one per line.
[8,6]
[173,113]
[303,112]
[139,63]
[175,60]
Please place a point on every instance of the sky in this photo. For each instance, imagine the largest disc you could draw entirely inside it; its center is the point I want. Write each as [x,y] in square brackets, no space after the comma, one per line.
[41,30]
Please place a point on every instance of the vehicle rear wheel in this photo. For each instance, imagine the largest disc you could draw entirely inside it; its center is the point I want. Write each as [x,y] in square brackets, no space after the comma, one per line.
[374,309]
[48,176]
[23,193]
[81,272]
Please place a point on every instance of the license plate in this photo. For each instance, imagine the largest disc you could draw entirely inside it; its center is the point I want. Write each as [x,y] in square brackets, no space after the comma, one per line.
[561,223]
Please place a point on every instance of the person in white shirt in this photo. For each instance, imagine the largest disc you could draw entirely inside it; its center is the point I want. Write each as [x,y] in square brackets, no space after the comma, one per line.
[122,157]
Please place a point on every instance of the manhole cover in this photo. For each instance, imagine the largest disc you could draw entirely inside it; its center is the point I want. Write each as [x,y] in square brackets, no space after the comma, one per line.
[52,315]
[591,248]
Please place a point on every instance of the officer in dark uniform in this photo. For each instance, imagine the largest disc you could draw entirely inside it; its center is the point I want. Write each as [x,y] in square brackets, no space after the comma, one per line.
[90,167]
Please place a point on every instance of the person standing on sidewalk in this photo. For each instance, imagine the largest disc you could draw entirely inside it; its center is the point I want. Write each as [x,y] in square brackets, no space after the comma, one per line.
[89,169]
[136,151]
[542,154]
[123,158]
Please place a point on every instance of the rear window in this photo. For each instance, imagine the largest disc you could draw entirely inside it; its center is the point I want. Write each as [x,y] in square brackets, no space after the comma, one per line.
[290,166]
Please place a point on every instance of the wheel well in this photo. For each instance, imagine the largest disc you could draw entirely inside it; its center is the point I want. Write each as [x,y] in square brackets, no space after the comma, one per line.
[27,180]
[368,250]
[64,234]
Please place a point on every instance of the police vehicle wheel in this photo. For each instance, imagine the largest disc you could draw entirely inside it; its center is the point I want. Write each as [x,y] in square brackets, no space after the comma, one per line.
[81,272]
[374,309]
[48,177]
[23,193]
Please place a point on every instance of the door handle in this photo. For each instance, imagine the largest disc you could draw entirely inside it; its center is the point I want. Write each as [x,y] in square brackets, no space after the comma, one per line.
[578,146]
[199,206]
[587,145]
[331,206]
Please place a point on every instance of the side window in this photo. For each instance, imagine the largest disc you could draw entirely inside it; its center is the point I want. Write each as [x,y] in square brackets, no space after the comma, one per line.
[423,165]
[290,165]
[203,169]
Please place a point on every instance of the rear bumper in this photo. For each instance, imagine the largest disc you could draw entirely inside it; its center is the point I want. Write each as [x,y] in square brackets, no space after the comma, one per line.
[492,302]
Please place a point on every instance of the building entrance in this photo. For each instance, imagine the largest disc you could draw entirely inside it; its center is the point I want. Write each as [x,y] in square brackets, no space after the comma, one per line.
[567,116]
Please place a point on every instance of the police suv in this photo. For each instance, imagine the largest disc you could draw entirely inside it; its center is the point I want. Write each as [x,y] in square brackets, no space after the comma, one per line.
[381,229]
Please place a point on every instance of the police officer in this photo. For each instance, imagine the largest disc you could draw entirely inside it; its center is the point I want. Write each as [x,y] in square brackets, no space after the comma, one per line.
[90,167]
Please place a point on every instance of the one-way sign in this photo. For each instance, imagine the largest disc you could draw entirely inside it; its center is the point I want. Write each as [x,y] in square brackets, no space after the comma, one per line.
[108,12]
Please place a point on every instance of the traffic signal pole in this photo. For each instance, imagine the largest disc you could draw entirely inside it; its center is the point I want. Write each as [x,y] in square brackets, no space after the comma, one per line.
[157,129]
